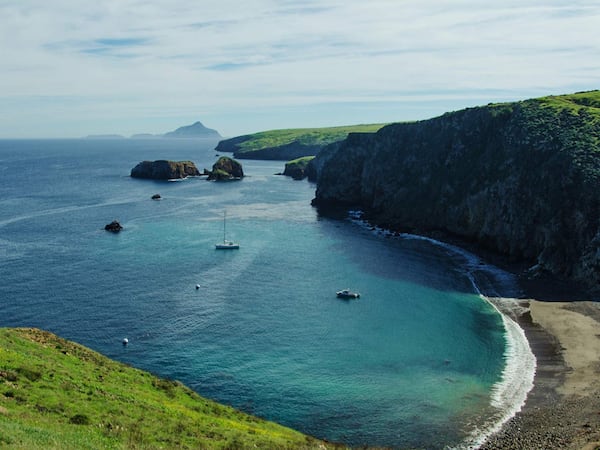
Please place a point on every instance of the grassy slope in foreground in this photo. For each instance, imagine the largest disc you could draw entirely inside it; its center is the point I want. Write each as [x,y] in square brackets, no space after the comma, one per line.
[58,394]
[308,137]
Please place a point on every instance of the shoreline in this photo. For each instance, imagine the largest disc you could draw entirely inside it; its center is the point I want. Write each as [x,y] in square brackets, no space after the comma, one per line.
[562,326]
[561,323]
[562,411]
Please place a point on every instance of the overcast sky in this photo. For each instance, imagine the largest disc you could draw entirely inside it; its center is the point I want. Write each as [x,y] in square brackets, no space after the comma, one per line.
[69,68]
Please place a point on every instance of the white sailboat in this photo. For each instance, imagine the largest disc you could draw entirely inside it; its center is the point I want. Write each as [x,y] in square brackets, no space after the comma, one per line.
[226,245]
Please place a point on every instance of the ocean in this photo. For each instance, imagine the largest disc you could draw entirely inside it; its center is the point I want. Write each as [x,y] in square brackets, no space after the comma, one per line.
[421,360]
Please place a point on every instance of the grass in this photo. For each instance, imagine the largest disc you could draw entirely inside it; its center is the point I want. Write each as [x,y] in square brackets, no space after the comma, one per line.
[55,394]
[300,162]
[590,101]
[303,136]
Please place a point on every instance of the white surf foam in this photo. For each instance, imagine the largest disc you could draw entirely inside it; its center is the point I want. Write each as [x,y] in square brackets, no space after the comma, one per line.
[510,393]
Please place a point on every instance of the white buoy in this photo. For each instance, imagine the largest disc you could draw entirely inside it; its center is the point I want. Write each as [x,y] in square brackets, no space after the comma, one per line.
[197,286]
[125,341]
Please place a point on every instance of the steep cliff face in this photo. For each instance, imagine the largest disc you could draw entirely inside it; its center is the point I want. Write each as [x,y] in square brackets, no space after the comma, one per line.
[522,179]
[293,150]
[283,152]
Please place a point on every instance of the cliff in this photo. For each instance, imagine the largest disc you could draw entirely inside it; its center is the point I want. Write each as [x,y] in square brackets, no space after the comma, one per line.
[164,170]
[522,179]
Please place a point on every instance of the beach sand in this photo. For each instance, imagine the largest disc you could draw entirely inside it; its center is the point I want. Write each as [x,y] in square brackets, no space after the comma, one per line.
[562,326]
[563,409]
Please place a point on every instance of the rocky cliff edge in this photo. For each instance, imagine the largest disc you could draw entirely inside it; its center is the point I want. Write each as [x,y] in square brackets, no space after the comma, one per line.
[522,179]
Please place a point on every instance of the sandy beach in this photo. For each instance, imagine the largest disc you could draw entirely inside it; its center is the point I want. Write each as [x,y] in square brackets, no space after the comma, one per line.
[563,409]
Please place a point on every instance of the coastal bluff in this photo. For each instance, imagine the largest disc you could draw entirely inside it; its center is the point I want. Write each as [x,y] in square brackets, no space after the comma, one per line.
[164,170]
[521,179]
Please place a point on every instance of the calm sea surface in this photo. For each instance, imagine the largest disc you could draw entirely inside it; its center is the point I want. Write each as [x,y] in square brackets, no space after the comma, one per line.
[415,362]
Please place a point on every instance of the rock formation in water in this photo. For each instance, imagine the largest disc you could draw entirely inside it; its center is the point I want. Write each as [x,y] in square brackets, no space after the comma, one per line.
[114,226]
[164,170]
[297,168]
[226,169]
[522,179]
[196,130]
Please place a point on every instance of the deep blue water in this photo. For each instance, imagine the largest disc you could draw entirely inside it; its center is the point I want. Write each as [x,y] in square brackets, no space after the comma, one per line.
[413,363]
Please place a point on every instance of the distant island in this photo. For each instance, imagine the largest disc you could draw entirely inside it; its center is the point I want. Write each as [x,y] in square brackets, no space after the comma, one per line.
[195,130]
[105,136]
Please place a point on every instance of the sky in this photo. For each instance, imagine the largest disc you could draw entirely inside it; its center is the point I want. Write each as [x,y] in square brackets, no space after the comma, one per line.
[72,68]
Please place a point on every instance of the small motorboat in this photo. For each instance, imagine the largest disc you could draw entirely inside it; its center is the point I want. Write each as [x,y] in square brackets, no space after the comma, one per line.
[347,293]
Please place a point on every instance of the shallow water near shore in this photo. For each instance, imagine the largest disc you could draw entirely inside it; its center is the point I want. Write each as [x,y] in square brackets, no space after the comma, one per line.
[415,362]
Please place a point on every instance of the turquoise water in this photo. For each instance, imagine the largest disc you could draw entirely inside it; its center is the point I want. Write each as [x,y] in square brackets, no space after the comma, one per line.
[413,363]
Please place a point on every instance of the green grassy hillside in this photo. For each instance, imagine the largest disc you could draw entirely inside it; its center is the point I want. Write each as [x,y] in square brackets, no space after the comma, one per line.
[291,143]
[305,136]
[55,394]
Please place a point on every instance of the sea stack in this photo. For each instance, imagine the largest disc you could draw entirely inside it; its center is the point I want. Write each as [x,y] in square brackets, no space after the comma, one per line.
[164,170]
[226,169]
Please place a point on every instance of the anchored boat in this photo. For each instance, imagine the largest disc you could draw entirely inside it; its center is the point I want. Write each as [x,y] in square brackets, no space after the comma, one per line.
[226,244]
[347,293]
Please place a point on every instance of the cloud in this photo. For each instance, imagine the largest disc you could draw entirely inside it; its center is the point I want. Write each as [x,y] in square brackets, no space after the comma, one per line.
[183,60]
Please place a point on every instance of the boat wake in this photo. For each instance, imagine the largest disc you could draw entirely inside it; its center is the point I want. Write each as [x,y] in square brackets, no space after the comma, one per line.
[500,289]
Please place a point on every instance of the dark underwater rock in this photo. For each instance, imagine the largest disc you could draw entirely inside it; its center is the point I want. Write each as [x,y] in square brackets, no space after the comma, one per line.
[113,227]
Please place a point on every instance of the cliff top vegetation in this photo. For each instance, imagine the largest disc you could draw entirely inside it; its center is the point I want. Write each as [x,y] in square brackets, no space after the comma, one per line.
[303,136]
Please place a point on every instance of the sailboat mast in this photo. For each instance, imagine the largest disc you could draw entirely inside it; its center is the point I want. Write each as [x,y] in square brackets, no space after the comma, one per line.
[226,244]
